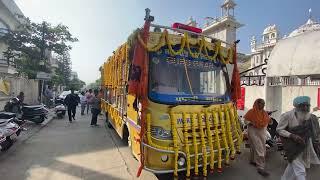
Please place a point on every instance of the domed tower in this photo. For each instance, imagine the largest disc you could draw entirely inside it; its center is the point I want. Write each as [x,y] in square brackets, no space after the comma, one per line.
[270,34]
[309,26]
[224,27]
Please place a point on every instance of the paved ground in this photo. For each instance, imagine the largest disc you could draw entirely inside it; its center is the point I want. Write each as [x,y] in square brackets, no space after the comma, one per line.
[59,150]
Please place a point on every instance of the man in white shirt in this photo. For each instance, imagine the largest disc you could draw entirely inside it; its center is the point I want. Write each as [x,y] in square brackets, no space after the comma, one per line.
[300,130]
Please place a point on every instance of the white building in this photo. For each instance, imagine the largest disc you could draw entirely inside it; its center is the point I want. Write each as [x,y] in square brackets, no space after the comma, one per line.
[260,52]
[293,69]
[11,18]
[224,27]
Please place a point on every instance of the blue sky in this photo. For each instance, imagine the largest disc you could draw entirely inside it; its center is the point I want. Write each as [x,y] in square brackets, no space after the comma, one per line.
[102,25]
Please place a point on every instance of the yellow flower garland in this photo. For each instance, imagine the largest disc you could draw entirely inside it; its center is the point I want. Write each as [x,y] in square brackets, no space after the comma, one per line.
[228,59]
[175,142]
[183,42]
[217,139]
[165,40]
[216,52]
[203,145]
[196,54]
[224,138]
[185,134]
[209,134]
[195,144]
[238,127]
[233,122]
[230,138]
[157,46]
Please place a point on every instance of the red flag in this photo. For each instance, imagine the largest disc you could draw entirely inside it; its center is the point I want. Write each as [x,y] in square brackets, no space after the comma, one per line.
[235,82]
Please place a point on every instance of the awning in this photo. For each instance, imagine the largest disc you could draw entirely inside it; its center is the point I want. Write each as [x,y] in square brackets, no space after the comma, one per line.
[296,56]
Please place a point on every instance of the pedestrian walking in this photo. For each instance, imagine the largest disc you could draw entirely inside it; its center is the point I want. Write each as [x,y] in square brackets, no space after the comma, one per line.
[95,108]
[258,121]
[89,96]
[72,101]
[48,95]
[300,132]
[83,102]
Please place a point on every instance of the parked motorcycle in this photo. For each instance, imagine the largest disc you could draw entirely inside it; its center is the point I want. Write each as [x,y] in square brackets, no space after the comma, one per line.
[2,139]
[60,110]
[8,130]
[35,113]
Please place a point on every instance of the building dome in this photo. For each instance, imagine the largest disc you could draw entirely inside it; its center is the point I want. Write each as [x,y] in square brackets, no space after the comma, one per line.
[269,29]
[311,25]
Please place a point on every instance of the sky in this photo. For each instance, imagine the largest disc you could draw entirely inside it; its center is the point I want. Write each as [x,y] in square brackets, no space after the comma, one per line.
[103,25]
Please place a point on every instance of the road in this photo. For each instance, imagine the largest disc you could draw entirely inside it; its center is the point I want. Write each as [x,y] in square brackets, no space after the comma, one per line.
[60,150]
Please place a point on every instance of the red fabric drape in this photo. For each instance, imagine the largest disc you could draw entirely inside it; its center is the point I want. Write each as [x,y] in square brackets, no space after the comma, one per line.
[138,71]
[235,82]
[318,104]
[138,83]
[241,101]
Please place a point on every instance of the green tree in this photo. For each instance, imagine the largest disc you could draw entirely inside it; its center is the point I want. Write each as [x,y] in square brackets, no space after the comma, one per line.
[62,74]
[76,84]
[95,85]
[29,44]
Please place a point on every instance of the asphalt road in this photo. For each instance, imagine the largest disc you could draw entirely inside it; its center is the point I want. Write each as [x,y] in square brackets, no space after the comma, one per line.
[60,150]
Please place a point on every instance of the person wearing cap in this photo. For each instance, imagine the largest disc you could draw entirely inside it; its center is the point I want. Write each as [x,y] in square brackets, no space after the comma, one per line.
[300,132]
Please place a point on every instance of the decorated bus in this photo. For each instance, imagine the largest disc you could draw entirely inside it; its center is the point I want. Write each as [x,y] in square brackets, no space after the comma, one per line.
[168,93]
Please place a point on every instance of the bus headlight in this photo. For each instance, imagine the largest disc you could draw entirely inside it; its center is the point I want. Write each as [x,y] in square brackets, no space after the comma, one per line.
[181,161]
[160,133]
[164,158]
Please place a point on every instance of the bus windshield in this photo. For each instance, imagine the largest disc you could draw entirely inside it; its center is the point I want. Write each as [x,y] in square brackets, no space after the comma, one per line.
[176,80]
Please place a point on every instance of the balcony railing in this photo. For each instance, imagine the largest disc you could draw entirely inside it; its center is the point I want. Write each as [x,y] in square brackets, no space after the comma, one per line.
[293,81]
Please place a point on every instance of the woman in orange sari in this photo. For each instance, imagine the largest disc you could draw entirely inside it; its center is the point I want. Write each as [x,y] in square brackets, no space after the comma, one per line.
[258,121]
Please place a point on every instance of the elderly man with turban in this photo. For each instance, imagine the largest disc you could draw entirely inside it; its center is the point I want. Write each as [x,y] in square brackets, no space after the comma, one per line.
[301,136]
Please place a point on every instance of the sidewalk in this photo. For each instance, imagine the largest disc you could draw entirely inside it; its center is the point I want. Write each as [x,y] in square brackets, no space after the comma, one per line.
[61,150]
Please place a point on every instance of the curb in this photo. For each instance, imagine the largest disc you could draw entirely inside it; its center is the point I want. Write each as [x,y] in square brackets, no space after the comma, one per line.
[17,143]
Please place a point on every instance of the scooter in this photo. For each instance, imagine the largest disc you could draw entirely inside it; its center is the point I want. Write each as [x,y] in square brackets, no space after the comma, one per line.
[2,139]
[36,113]
[60,110]
[9,131]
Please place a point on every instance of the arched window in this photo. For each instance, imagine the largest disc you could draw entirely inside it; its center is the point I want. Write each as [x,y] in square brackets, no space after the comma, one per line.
[273,35]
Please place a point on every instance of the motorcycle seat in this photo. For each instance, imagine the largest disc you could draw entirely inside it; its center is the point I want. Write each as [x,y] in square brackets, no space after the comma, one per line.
[4,122]
[7,115]
[32,107]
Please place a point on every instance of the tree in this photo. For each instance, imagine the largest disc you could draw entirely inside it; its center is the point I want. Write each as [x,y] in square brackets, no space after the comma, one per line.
[62,74]
[29,46]
[76,84]
[95,85]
